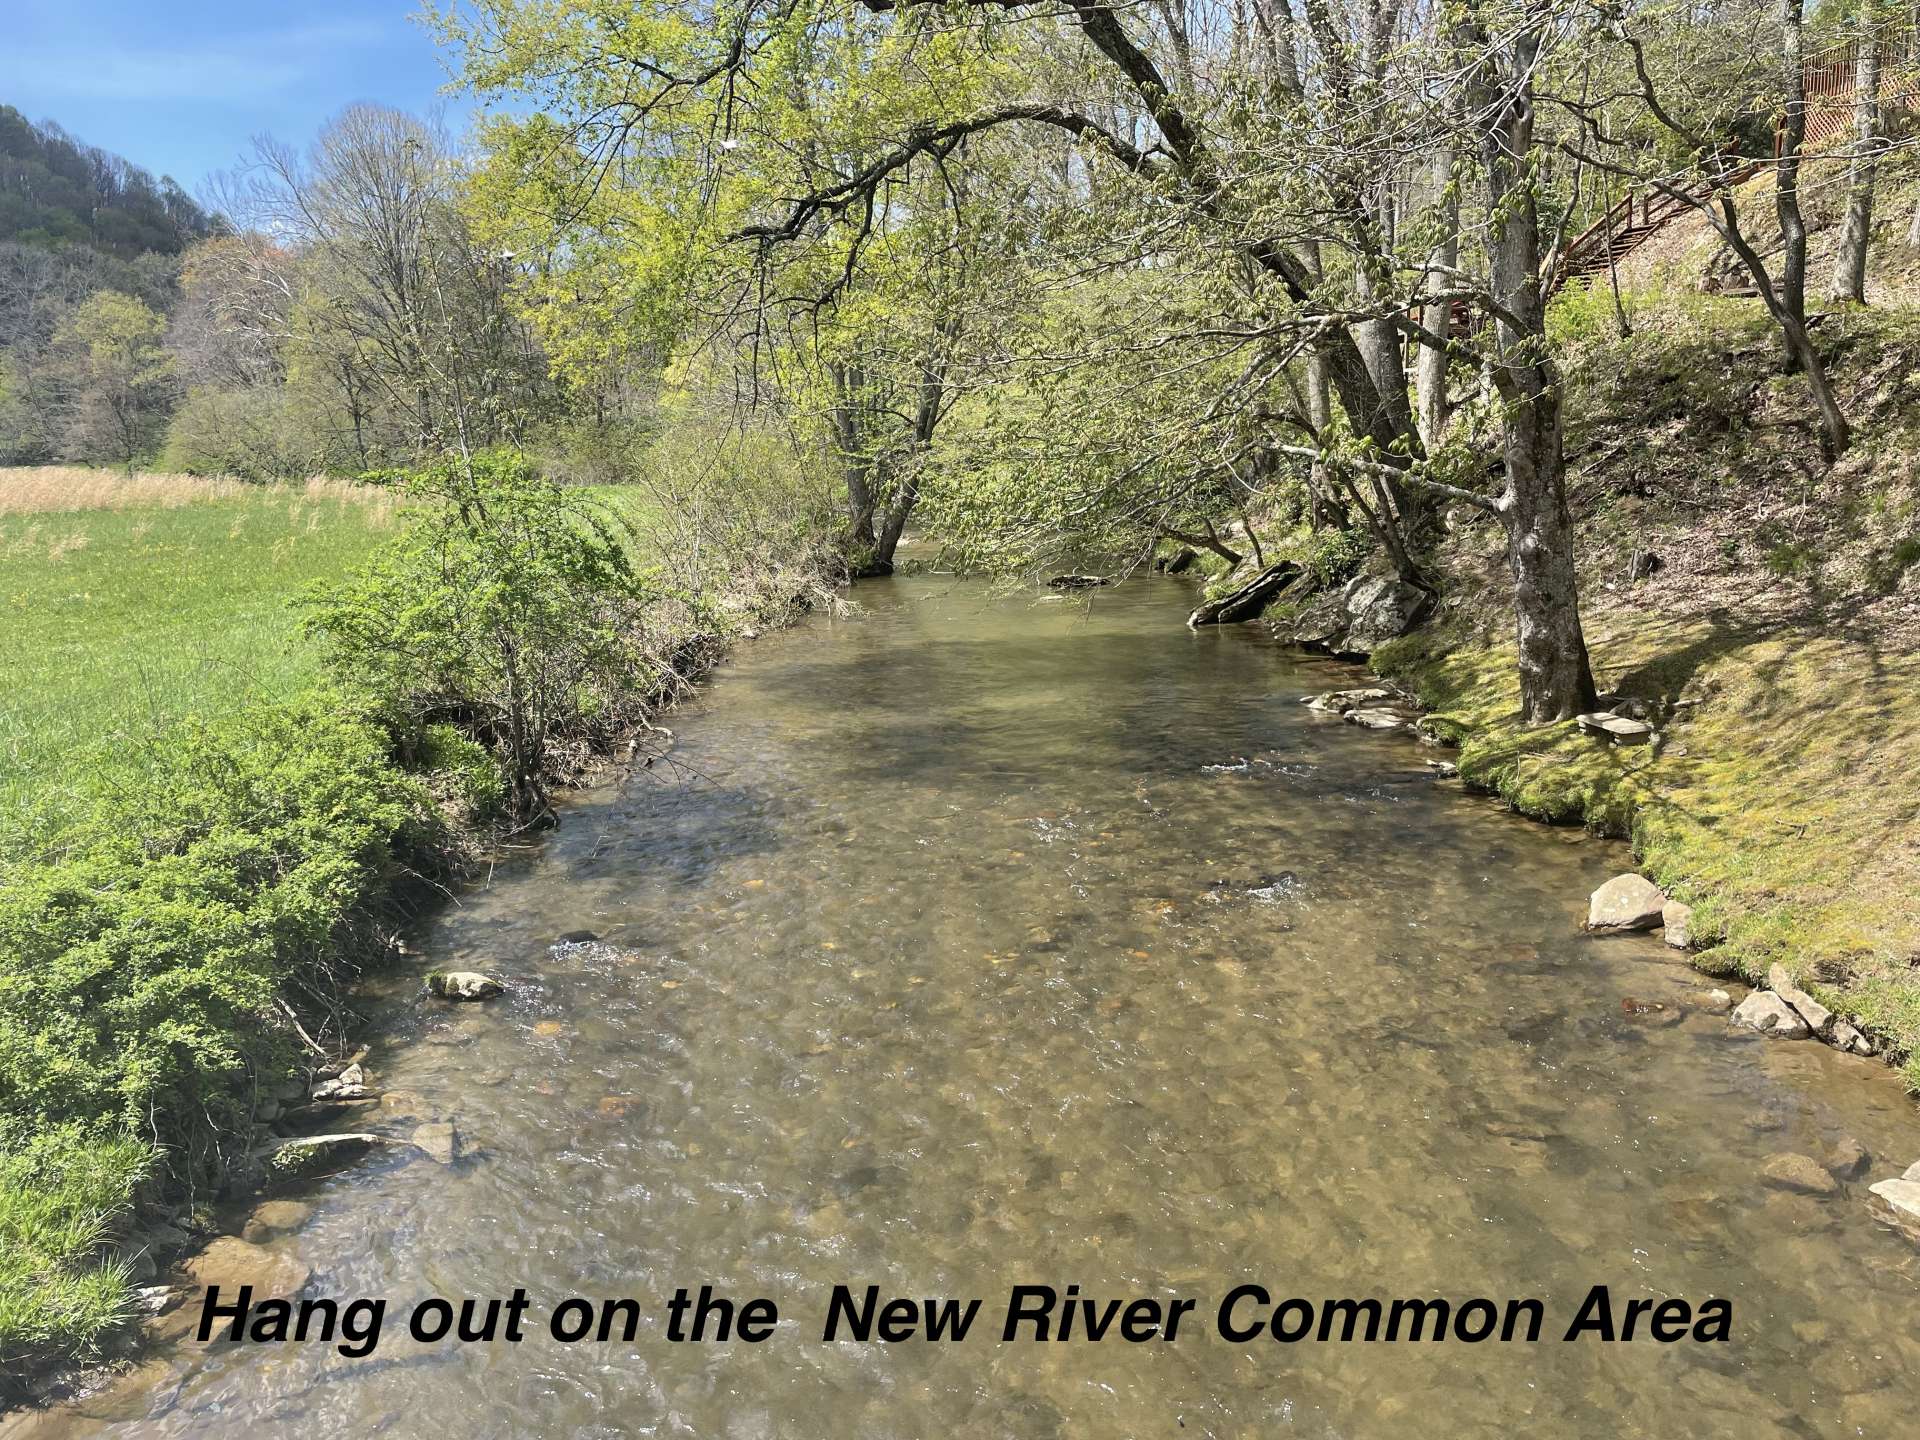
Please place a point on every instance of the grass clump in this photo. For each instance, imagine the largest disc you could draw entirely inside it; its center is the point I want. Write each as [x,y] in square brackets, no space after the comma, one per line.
[60,1194]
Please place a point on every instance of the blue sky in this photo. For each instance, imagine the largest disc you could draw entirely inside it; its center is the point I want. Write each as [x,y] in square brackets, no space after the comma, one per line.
[181,86]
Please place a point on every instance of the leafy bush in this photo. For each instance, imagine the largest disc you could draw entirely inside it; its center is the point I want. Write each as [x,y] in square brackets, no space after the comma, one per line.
[1333,556]
[249,434]
[465,766]
[508,604]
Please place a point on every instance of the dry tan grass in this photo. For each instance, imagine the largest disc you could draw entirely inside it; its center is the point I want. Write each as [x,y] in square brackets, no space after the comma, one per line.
[51,489]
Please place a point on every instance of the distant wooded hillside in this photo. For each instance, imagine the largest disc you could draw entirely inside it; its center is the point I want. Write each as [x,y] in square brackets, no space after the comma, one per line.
[57,192]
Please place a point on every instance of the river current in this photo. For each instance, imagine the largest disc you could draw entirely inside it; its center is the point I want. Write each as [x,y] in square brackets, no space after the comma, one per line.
[976,941]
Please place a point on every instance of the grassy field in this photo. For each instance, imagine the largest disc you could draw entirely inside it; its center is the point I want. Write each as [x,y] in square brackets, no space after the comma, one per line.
[129,602]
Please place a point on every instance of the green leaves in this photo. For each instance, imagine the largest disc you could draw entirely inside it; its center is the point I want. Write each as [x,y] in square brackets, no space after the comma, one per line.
[508,603]
[143,953]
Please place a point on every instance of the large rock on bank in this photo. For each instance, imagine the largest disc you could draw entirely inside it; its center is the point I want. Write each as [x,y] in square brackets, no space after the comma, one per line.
[1818,1017]
[1902,1199]
[1770,1015]
[1248,601]
[1362,615]
[1626,902]
[230,1262]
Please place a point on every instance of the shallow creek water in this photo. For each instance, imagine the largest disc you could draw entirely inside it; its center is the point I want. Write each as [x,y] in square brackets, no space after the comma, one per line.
[976,941]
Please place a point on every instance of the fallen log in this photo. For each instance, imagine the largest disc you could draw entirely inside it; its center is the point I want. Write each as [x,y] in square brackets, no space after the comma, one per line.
[1250,600]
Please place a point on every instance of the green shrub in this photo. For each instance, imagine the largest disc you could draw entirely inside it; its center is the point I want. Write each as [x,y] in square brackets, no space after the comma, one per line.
[146,952]
[465,766]
[248,434]
[1333,556]
[509,604]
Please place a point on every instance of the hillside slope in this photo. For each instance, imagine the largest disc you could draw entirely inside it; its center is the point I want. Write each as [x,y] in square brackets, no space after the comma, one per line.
[1774,644]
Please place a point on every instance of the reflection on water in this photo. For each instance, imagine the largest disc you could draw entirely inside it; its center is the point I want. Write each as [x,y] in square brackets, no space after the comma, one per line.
[976,942]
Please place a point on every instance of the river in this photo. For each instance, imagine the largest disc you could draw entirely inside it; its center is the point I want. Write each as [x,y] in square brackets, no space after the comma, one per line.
[976,941]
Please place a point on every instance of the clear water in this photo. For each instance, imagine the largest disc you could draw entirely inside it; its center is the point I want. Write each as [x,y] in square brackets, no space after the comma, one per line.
[979,941]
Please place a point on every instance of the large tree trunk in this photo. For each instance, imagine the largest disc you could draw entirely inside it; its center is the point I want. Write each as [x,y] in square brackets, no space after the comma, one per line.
[1850,264]
[1556,678]
[855,464]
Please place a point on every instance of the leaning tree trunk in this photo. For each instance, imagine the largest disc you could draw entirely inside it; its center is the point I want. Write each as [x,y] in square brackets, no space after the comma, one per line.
[1850,264]
[926,415]
[1556,678]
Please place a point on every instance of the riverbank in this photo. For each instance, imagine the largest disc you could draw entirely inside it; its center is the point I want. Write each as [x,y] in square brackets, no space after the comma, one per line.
[200,891]
[1761,610]
[807,1050]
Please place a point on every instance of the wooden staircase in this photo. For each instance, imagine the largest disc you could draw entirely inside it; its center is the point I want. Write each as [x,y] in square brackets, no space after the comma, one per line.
[1635,219]
[1830,79]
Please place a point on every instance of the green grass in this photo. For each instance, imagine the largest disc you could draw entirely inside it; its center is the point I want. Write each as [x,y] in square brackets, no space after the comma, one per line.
[114,623]
[118,626]
[60,1194]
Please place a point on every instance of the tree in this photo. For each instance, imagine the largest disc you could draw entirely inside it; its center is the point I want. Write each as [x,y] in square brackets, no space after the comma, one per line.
[398,324]
[122,377]
[1275,171]
[1850,259]
[1556,679]
[1714,167]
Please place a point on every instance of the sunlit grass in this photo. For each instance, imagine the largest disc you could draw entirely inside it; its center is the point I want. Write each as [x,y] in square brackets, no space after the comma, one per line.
[118,617]
[59,1196]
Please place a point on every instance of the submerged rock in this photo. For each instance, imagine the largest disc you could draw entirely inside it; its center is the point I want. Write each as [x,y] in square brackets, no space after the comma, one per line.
[1847,1159]
[273,1217]
[1799,1173]
[230,1262]
[1372,719]
[1770,1015]
[318,1154]
[1626,902]
[1818,1017]
[576,937]
[1717,1001]
[463,985]
[439,1139]
[1339,702]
